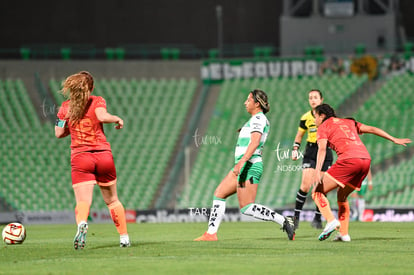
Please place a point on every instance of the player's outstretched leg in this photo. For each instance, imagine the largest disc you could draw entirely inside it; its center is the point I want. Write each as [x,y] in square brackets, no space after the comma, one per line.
[289,227]
[262,212]
[80,238]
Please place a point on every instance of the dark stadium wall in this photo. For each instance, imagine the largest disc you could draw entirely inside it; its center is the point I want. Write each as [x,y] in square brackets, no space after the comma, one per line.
[106,23]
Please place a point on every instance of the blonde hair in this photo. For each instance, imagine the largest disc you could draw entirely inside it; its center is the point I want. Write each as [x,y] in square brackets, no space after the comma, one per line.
[77,87]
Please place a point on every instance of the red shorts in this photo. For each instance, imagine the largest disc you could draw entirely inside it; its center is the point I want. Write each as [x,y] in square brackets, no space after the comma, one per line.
[350,172]
[96,166]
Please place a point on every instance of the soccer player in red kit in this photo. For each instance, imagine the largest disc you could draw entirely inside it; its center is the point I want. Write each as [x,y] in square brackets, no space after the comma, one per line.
[349,170]
[82,117]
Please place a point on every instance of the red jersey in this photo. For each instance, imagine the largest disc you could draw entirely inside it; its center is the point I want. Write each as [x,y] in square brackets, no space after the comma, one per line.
[87,134]
[342,135]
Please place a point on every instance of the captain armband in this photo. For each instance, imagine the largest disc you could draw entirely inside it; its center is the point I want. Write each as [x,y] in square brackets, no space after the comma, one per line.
[60,123]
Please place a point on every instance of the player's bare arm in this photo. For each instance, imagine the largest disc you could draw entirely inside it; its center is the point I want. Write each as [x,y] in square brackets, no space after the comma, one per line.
[105,117]
[61,129]
[381,133]
[296,144]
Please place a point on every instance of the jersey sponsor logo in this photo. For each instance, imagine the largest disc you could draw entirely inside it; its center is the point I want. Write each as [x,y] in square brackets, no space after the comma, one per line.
[256,126]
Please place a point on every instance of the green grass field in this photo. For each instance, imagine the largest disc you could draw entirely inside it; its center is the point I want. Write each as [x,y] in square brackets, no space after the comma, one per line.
[243,248]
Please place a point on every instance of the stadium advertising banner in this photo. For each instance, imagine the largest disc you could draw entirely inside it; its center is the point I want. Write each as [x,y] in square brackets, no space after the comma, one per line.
[233,215]
[188,215]
[222,70]
[215,71]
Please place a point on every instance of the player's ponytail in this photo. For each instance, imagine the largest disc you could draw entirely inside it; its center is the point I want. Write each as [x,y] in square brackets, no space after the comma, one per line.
[325,109]
[77,87]
[261,97]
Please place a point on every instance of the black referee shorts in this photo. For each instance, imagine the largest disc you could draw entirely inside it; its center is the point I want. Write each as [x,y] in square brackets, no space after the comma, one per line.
[311,152]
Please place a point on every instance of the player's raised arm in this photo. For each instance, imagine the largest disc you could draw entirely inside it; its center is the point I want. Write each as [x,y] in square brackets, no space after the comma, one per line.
[381,133]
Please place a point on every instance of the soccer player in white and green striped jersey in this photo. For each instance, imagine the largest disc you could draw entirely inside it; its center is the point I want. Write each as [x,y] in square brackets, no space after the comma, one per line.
[246,174]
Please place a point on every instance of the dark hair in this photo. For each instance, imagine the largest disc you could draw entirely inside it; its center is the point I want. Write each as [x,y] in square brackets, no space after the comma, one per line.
[261,97]
[325,109]
[316,90]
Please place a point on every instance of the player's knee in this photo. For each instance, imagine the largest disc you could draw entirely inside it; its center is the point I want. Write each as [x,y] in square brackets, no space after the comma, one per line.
[113,201]
[315,195]
[305,187]
[306,184]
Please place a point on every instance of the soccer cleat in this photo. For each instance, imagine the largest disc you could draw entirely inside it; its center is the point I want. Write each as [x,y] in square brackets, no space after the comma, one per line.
[340,238]
[207,237]
[124,241]
[289,227]
[316,224]
[329,229]
[80,238]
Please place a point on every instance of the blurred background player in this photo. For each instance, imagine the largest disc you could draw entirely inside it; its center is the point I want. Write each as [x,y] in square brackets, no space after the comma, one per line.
[350,169]
[82,117]
[247,171]
[307,125]
[359,198]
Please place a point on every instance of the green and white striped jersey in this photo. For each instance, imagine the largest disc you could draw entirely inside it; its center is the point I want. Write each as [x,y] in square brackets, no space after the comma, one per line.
[257,123]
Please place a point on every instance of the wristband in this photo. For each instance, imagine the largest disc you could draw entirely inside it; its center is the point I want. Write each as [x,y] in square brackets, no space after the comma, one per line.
[60,123]
[296,144]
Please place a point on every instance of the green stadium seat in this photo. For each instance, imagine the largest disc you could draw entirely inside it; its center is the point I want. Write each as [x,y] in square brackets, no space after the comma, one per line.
[65,53]
[175,53]
[165,53]
[110,53]
[170,53]
[213,53]
[119,53]
[360,49]
[408,47]
[25,53]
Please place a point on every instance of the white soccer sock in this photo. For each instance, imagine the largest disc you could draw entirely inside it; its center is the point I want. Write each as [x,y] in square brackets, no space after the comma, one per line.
[216,215]
[262,212]
[361,208]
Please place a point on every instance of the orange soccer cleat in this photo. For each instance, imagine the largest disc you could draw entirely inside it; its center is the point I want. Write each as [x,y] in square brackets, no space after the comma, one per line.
[207,237]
